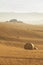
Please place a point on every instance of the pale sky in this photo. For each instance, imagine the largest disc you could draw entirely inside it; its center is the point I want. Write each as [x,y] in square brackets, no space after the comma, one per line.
[21,5]
[34,7]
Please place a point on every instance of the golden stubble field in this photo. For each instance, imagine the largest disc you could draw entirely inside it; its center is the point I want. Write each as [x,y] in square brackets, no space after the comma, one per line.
[13,37]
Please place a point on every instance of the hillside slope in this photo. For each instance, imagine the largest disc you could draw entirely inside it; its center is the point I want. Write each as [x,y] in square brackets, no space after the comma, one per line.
[17,34]
[13,36]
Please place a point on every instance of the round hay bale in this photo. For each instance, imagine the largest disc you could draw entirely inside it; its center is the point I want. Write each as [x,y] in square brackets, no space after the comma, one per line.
[29,46]
[35,48]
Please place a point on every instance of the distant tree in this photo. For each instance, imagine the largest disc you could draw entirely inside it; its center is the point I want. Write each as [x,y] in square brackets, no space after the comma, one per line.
[20,22]
[13,20]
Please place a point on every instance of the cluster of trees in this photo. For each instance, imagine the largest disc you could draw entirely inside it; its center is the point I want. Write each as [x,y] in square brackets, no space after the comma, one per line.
[14,20]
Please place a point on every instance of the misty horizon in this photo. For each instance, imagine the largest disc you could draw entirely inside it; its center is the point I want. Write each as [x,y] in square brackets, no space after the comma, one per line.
[28,11]
[30,18]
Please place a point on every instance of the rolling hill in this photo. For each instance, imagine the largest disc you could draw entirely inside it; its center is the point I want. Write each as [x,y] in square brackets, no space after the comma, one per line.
[17,34]
[13,37]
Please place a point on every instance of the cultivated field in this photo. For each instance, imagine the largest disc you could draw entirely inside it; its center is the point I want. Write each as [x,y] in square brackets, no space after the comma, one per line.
[13,37]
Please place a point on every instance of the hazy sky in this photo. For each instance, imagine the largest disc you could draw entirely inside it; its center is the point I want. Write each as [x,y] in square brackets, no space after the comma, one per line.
[34,7]
[21,5]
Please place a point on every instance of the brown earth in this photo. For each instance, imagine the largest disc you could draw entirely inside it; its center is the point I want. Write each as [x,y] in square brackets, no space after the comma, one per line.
[13,36]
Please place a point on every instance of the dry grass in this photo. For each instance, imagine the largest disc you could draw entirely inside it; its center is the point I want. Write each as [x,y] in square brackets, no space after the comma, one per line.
[13,36]
[18,56]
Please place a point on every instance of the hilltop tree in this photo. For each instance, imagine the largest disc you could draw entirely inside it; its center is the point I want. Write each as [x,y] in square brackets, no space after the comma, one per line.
[13,20]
